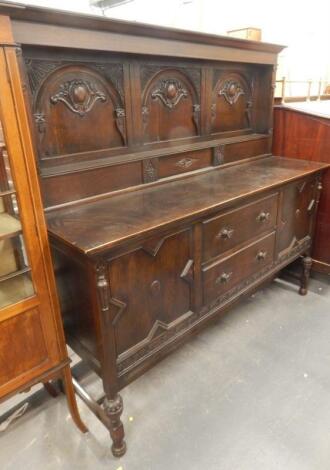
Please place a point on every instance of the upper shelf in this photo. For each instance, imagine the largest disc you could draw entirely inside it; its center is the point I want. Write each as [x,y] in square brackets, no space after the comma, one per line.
[9,226]
[107,222]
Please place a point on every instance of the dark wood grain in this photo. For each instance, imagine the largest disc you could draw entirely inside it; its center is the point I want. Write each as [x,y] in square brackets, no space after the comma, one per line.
[151,143]
[221,233]
[150,209]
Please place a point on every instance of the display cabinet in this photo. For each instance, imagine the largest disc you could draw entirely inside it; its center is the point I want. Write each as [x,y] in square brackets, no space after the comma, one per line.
[32,346]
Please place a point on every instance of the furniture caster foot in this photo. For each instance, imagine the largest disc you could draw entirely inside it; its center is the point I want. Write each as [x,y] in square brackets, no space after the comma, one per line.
[114,408]
[307,265]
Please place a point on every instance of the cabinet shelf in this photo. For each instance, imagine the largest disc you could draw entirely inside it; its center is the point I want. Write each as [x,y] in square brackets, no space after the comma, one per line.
[8,276]
[15,289]
[9,226]
[9,192]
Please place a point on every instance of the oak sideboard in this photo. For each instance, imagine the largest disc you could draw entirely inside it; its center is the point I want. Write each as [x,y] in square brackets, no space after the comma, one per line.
[163,201]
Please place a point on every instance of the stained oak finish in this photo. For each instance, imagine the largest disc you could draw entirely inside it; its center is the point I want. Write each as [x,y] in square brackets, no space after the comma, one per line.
[164,204]
[148,210]
[227,231]
[303,135]
[221,276]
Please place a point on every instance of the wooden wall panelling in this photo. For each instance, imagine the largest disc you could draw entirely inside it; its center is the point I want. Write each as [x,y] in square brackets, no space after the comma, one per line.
[307,136]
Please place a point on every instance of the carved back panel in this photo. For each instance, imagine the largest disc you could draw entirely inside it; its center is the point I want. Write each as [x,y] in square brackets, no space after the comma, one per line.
[170,105]
[99,117]
[73,103]
[231,108]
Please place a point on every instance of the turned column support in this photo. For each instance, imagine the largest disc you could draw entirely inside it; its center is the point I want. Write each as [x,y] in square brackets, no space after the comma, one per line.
[112,403]
[307,265]
[113,409]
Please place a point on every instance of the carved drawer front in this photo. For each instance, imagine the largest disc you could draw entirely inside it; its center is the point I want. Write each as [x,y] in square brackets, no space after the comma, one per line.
[183,162]
[151,293]
[224,275]
[224,232]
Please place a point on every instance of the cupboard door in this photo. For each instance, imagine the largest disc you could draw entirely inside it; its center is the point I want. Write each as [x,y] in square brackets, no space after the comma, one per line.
[297,207]
[151,290]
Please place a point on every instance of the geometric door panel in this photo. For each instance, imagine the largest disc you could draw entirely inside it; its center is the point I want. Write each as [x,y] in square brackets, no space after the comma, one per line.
[297,203]
[150,290]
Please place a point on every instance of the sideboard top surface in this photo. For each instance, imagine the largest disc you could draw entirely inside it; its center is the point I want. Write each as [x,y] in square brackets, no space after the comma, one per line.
[99,225]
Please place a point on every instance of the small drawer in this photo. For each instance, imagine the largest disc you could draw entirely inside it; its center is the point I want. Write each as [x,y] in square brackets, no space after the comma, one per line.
[220,277]
[226,231]
[184,162]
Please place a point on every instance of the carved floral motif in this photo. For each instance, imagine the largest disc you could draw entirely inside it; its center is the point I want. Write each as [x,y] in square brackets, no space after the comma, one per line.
[185,163]
[149,171]
[170,92]
[37,70]
[231,90]
[218,155]
[79,96]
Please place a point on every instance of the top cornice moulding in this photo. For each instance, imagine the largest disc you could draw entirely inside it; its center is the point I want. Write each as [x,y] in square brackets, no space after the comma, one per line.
[21,12]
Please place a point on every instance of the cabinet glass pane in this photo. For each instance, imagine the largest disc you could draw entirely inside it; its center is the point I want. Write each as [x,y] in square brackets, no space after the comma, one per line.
[15,276]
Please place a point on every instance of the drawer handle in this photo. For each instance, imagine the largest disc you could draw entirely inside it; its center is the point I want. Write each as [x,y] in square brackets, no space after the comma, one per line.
[263,216]
[185,163]
[261,255]
[223,278]
[225,233]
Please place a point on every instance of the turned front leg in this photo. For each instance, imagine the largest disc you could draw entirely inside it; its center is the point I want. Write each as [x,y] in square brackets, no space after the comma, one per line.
[307,265]
[114,409]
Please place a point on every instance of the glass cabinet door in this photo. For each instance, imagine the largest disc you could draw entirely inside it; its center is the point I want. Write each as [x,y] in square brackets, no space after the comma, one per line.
[15,277]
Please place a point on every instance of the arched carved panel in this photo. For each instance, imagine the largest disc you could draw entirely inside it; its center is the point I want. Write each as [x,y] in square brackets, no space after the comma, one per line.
[231,108]
[77,110]
[170,105]
[156,293]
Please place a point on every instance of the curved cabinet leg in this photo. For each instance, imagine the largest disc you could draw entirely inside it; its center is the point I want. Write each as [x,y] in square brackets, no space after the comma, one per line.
[71,399]
[307,265]
[114,408]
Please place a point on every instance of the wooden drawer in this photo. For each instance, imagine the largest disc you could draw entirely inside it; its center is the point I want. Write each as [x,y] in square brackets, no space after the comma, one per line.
[219,277]
[226,231]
